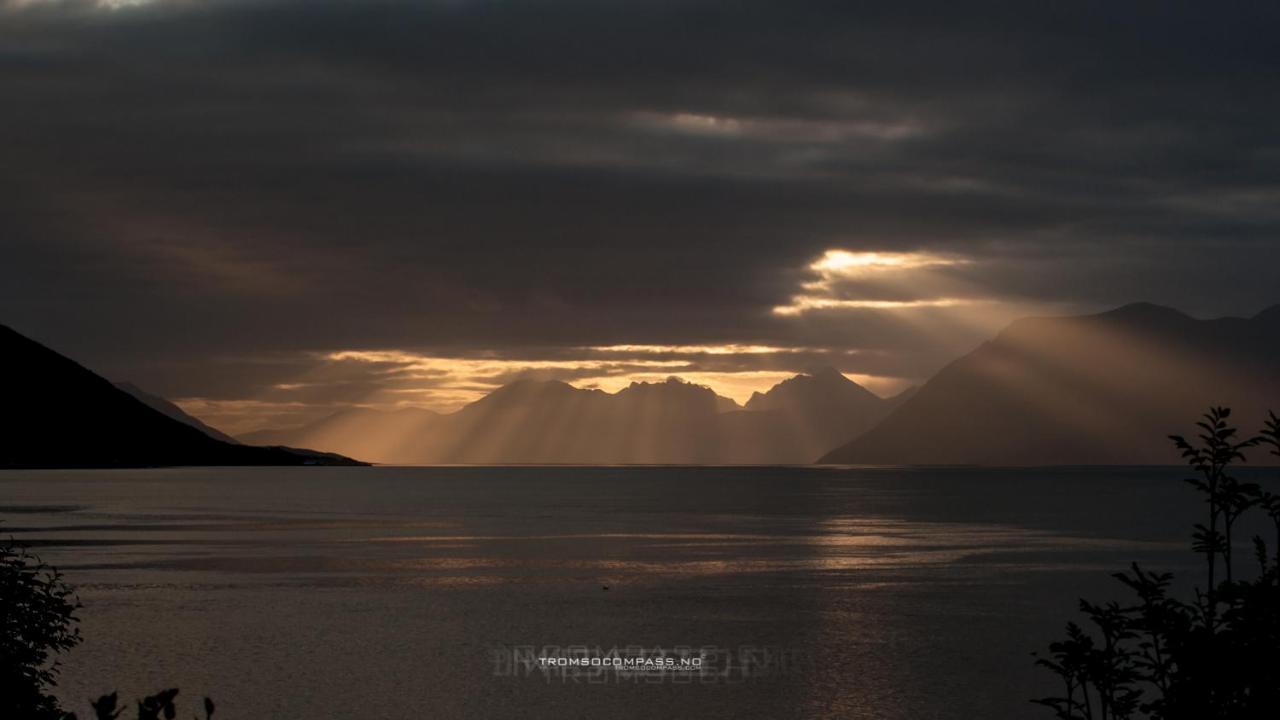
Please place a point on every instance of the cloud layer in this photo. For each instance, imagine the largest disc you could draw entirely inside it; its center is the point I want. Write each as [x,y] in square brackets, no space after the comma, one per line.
[212,197]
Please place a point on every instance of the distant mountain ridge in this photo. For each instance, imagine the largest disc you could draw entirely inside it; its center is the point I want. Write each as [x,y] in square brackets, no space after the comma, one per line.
[821,386]
[801,418]
[163,406]
[1095,389]
[552,422]
[63,415]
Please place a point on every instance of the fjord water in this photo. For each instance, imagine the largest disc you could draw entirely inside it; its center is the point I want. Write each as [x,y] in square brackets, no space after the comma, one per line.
[393,592]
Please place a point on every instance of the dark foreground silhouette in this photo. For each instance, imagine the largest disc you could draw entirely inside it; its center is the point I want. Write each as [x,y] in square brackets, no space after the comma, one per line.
[38,623]
[169,410]
[1215,656]
[62,415]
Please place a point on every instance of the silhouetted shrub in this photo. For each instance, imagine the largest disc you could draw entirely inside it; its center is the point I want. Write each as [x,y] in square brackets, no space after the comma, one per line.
[153,707]
[37,612]
[1214,657]
[38,622]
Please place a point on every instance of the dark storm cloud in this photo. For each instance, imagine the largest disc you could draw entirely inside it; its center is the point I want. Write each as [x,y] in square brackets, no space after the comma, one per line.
[195,194]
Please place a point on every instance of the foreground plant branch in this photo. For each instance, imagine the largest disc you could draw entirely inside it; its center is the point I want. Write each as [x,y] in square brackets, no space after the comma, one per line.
[38,622]
[1162,658]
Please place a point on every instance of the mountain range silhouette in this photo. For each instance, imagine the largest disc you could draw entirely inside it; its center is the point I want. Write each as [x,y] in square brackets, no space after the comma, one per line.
[1094,389]
[548,421]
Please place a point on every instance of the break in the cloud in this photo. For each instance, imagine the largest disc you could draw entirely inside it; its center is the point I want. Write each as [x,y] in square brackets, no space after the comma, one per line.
[209,197]
[880,281]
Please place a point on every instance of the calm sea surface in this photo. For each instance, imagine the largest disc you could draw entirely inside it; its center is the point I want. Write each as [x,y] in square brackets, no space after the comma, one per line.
[406,592]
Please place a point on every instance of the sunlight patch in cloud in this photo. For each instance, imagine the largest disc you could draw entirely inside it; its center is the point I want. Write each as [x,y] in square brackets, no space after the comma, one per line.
[837,263]
[727,349]
[802,304]
[851,280]
[710,124]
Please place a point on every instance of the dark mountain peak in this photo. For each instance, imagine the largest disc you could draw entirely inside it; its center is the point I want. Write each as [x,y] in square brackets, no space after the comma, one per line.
[1144,311]
[671,384]
[1269,315]
[1092,389]
[1139,319]
[1152,313]
[527,391]
[902,396]
[673,393]
[522,386]
[70,417]
[826,373]
[820,386]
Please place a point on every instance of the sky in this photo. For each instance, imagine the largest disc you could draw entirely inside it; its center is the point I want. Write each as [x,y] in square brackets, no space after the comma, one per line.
[268,210]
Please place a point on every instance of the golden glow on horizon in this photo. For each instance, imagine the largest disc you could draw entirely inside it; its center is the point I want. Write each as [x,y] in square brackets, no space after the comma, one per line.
[473,378]
[736,386]
[399,379]
[729,349]
[410,362]
[449,382]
